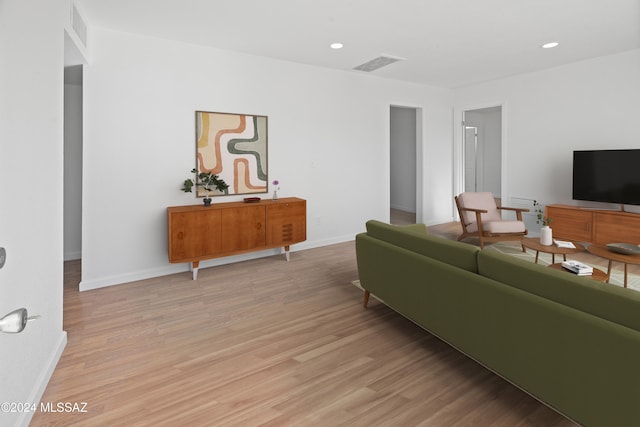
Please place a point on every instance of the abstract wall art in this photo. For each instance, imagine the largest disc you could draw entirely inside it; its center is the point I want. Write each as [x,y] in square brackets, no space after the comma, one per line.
[233,146]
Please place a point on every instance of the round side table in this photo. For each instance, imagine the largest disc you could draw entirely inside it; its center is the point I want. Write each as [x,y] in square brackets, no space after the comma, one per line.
[597,274]
[533,243]
[604,252]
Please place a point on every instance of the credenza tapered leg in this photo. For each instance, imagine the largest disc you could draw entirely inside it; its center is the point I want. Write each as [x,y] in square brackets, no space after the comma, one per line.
[194,269]
[286,253]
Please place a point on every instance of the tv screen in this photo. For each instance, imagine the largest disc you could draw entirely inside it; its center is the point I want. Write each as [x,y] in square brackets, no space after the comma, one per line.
[611,176]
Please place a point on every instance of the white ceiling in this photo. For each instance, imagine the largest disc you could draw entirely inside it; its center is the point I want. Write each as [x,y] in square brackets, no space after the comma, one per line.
[448,43]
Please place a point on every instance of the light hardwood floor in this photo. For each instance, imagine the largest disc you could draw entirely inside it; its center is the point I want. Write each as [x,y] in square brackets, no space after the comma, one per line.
[271,343]
[400,217]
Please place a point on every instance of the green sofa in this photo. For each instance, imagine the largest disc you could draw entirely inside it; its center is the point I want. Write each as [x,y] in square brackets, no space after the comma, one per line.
[571,342]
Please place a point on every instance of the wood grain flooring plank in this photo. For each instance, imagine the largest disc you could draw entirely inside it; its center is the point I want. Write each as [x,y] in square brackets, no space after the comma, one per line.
[266,343]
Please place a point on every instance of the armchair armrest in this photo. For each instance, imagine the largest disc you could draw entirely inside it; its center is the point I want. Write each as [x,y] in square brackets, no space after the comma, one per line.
[474,210]
[518,211]
[478,213]
[513,209]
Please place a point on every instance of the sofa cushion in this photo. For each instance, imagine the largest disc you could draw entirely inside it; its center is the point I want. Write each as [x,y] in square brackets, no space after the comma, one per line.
[415,238]
[606,301]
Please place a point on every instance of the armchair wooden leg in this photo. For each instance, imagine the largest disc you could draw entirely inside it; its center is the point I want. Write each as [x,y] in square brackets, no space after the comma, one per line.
[366,299]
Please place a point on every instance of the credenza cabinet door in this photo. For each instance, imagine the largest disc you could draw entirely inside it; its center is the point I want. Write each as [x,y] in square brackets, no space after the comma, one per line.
[194,234]
[198,233]
[616,227]
[287,223]
[594,225]
[570,224]
[243,228]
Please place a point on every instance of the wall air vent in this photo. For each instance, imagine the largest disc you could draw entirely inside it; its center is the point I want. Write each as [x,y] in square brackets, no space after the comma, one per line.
[377,63]
[78,25]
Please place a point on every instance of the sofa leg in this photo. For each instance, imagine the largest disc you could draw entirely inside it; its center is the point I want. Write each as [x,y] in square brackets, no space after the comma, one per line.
[366,299]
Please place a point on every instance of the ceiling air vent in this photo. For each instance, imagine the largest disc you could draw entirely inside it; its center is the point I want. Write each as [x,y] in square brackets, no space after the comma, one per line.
[379,62]
[78,25]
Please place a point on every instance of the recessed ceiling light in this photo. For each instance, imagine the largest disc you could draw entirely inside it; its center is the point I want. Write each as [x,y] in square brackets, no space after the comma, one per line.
[550,45]
[337,45]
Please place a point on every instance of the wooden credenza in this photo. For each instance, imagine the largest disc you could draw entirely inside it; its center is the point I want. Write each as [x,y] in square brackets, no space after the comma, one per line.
[198,233]
[593,225]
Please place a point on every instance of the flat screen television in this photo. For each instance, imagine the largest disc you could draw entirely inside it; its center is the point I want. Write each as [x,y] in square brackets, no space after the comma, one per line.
[611,176]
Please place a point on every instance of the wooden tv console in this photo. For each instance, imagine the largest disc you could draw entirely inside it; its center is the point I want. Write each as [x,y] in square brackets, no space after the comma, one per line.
[593,225]
[198,233]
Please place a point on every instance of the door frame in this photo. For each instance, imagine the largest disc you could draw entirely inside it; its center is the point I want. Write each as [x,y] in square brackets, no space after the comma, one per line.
[458,149]
[419,146]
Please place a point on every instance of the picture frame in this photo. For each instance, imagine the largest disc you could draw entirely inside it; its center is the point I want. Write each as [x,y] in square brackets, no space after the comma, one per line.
[234,147]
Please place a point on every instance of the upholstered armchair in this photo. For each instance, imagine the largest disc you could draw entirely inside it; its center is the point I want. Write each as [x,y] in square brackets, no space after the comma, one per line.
[480,217]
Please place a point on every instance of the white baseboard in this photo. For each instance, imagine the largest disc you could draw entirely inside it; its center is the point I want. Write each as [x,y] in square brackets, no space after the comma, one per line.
[43,379]
[325,242]
[102,282]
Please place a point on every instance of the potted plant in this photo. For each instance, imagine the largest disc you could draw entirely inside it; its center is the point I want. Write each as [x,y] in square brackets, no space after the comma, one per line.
[546,237]
[208,182]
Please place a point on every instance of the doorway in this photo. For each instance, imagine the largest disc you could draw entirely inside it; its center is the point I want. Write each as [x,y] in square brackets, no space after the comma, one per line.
[72,162]
[74,60]
[404,133]
[482,150]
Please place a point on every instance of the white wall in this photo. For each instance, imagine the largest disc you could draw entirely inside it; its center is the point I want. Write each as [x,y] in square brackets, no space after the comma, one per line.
[31,197]
[328,143]
[548,114]
[403,158]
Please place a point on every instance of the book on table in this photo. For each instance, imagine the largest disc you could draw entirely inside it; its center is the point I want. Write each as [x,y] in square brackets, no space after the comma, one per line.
[577,267]
[564,244]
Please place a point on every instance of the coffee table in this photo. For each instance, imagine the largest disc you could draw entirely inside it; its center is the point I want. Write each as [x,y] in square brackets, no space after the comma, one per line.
[604,252]
[597,274]
[533,243]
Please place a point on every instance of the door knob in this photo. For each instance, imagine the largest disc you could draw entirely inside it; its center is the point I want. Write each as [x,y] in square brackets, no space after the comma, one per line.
[15,322]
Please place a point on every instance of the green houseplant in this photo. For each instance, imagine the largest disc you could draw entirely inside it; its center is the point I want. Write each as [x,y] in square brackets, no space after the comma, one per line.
[546,237]
[539,210]
[208,182]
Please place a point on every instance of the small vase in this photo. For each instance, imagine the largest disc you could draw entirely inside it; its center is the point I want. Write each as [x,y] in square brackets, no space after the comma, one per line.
[275,195]
[207,201]
[546,237]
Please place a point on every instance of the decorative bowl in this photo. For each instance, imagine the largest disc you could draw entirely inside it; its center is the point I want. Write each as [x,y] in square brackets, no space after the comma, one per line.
[624,248]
